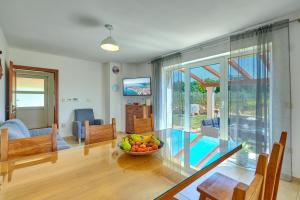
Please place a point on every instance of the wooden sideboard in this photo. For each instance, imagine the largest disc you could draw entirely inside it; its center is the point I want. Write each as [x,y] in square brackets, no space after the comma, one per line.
[140,111]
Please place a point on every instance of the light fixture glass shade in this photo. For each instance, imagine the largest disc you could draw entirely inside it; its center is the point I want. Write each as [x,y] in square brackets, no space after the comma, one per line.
[109,44]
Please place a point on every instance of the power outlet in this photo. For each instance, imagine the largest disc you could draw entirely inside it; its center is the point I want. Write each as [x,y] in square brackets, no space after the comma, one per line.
[63,125]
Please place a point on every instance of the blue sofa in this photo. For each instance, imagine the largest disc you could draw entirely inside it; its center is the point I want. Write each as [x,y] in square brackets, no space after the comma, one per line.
[17,129]
[82,115]
[211,127]
[215,122]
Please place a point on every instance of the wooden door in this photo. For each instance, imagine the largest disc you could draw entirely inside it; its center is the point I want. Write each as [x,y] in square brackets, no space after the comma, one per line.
[12,91]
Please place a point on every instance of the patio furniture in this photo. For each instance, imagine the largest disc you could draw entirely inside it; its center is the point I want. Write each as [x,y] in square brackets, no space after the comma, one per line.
[81,115]
[211,127]
[99,133]
[215,122]
[17,130]
[15,148]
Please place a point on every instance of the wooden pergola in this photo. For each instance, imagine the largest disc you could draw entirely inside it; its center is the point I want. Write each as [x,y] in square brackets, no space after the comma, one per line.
[248,79]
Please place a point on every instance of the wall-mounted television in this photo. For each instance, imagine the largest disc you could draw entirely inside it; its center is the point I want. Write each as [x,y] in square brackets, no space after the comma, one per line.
[137,86]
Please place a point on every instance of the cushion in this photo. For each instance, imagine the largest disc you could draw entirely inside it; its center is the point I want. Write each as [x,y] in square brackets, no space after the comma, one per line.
[216,122]
[40,131]
[13,131]
[206,122]
[16,129]
[84,114]
[22,126]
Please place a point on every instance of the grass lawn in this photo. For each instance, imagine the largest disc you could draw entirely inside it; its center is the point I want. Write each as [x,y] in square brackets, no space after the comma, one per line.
[196,120]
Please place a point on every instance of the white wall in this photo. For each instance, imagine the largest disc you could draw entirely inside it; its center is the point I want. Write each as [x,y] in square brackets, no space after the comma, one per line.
[115,100]
[77,79]
[4,62]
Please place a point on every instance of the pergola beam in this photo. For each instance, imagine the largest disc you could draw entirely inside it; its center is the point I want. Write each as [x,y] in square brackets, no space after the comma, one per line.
[237,82]
[240,69]
[211,70]
[201,81]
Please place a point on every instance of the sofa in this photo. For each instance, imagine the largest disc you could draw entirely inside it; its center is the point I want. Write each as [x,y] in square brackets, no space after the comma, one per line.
[211,127]
[82,115]
[17,129]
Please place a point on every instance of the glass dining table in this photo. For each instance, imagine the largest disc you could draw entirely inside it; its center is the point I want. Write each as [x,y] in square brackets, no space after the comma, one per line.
[103,171]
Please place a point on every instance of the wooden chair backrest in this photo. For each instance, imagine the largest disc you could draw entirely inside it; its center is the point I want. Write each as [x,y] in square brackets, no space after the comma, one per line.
[143,125]
[255,190]
[282,141]
[99,133]
[16,148]
[272,171]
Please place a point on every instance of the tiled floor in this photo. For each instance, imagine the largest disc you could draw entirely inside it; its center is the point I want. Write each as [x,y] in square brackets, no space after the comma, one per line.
[287,190]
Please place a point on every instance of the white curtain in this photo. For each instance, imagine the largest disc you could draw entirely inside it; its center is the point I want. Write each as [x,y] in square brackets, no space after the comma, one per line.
[281,92]
[163,90]
[259,91]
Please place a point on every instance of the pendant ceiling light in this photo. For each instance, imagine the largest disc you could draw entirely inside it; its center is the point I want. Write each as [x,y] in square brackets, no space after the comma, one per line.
[109,44]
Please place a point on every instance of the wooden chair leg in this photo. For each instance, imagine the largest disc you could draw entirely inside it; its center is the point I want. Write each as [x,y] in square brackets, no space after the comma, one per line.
[202,197]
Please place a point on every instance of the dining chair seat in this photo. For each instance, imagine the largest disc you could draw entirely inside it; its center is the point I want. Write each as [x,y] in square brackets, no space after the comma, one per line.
[217,186]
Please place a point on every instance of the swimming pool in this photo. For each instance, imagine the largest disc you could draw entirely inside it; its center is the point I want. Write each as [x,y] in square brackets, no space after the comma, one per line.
[202,150]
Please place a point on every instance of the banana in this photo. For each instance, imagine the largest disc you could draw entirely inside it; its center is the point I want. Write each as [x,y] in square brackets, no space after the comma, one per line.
[136,137]
[147,138]
[154,140]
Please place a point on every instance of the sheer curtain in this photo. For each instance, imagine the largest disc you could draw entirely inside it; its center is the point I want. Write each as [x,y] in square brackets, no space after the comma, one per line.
[259,91]
[163,90]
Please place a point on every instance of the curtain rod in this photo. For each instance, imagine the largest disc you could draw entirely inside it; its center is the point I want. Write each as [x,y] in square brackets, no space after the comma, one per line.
[221,38]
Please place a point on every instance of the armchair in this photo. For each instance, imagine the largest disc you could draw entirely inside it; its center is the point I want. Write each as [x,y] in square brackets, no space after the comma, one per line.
[82,115]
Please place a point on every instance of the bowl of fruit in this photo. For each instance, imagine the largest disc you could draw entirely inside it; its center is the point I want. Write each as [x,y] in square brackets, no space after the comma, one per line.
[136,144]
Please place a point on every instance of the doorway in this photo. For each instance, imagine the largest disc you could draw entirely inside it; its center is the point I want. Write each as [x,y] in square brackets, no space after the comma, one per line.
[34,98]
[198,97]
[33,95]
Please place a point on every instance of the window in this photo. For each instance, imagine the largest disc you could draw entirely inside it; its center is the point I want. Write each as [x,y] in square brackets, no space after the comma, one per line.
[30,92]
[198,94]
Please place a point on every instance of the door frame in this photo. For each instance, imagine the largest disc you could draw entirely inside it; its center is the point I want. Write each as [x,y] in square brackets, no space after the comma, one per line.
[222,60]
[55,72]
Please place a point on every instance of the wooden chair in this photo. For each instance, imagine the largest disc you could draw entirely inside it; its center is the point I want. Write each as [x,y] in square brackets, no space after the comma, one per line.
[27,162]
[11,149]
[221,187]
[143,125]
[282,141]
[99,133]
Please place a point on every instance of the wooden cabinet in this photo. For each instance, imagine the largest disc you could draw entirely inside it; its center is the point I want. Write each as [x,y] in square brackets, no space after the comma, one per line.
[140,111]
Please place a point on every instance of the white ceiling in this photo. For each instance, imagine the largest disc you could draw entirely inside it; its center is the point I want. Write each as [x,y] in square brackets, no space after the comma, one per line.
[143,28]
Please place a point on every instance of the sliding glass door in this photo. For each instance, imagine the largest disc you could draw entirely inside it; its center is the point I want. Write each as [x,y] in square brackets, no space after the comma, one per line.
[199,97]
[205,101]
[178,99]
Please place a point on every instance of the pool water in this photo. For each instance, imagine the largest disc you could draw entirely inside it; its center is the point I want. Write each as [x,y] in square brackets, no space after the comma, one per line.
[202,149]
